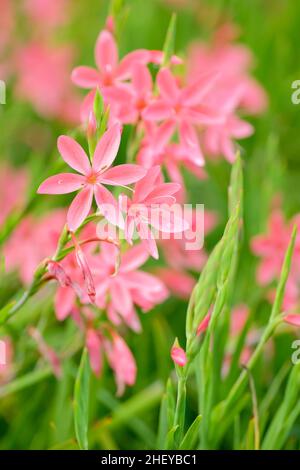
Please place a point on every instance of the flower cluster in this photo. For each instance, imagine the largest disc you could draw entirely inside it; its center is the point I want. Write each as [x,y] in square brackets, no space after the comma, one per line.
[177,120]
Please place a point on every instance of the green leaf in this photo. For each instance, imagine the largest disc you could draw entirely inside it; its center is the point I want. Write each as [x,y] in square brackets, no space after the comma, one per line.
[81,401]
[171,438]
[169,45]
[189,442]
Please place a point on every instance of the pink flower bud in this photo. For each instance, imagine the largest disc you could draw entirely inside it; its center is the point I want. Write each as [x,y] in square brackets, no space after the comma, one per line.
[178,355]
[57,271]
[87,274]
[292,319]
[204,324]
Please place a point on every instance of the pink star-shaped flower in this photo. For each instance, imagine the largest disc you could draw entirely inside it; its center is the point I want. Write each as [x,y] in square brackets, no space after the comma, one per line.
[92,177]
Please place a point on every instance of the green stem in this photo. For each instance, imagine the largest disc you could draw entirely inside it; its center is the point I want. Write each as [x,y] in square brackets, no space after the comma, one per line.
[179,417]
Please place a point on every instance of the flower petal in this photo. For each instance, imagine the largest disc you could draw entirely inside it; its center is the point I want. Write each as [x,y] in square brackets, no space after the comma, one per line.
[167,85]
[134,258]
[145,185]
[107,148]
[62,183]
[108,206]
[123,174]
[141,79]
[121,298]
[85,77]
[148,239]
[106,53]
[73,154]
[157,111]
[79,208]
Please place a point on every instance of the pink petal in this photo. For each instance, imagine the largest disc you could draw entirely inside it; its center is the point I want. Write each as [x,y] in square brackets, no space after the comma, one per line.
[148,239]
[145,185]
[141,79]
[167,85]
[106,53]
[94,347]
[157,111]
[178,355]
[107,148]
[62,183]
[203,324]
[164,134]
[79,209]
[134,258]
[108,206]
[164,189]
[85,77]
[292,319]
[123,174]
[64,302]
[193,94]
[139,56]
[121,298]
[166,220]
[73,154]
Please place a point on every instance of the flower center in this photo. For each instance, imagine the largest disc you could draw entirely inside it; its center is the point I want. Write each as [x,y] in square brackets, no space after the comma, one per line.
[92,178]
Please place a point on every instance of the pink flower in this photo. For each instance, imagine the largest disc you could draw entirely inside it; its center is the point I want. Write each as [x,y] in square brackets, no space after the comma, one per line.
[119,291]
[218,138]
[233,62]
[178,355]
[47,14]
[130,101]
[121,360]
[152,204]
[91,178]
[32,241]
[13,183]
[271,247]
[94,344]
[178,282]
[183,108]
[43,80]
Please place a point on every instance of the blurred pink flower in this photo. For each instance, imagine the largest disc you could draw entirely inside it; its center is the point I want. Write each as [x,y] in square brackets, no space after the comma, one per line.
[121,360]
[92,177]
[178,355]
[43,80]
[13,184]
[47,14]
[271,247]
[94,344]
[233,62]
[118,291]
[184,108]
[32,241]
